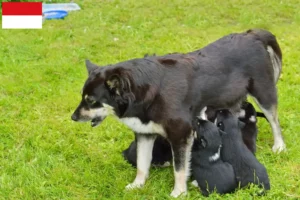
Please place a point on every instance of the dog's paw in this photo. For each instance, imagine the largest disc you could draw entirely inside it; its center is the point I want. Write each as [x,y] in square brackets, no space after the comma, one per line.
[279,147]
[194,183]
[177,192]
[134,185]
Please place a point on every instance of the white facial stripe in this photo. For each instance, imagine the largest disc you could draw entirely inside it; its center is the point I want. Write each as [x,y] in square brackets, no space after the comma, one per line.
[137,126]
[98,112]
[216,156]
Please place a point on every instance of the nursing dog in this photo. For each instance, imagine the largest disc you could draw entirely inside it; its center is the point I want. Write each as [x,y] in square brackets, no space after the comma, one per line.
[208,169]
[160,95]
[246,167]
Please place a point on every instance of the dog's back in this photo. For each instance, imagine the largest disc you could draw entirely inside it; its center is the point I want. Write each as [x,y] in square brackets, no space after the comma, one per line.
[247,168]
[210,172]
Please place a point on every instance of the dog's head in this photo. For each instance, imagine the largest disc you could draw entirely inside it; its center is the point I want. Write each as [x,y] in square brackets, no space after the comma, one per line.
[207,135]
[227,122]
[105,92]
[247,113]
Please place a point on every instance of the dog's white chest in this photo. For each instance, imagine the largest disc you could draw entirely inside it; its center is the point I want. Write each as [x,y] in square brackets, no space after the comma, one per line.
[137,126]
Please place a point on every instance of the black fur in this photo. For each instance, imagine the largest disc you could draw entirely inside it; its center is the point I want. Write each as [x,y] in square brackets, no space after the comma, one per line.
[211,175]
[161,153]
[246,167]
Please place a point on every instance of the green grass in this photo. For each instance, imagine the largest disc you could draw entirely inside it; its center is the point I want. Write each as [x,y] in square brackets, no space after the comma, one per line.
[44,155]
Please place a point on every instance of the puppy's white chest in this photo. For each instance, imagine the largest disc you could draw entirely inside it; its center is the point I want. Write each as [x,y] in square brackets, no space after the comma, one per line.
[137,126]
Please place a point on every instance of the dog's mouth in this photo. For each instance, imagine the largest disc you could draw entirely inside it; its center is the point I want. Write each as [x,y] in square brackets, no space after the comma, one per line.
[96,121]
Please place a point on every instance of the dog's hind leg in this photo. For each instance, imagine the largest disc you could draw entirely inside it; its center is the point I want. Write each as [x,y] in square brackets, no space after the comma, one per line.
[181,163]
[266,98]
[144,156]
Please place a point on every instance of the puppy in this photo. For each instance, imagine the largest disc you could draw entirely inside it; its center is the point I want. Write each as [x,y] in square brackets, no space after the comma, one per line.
[208,169]
[161,153]
[248,116]
[246,167]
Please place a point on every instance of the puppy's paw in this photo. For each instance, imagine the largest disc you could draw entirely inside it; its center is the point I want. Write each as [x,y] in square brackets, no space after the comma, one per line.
[279,147]
[134,185]
[177,192]
[194,183]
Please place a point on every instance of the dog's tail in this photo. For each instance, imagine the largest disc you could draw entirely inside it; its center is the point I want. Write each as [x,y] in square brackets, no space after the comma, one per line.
[272,46]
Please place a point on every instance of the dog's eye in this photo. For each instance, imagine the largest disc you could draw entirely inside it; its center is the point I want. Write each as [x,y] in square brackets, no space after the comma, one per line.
[220,125]
[90,101]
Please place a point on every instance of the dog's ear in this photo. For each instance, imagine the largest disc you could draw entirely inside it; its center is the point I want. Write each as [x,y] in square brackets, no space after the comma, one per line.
[90,66]
[120,87]
[114,83]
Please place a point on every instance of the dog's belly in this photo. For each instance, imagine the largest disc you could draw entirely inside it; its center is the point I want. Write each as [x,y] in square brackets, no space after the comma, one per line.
[138,126]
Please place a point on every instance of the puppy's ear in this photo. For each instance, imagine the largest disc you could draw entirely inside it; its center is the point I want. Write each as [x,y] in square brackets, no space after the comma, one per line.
[241,124]
[90,66]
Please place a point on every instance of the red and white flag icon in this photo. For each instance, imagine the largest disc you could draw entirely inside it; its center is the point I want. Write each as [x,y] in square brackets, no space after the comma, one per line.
[22,15]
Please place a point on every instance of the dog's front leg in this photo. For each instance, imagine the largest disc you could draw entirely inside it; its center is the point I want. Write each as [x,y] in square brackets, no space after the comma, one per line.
[181,162]
[144,156]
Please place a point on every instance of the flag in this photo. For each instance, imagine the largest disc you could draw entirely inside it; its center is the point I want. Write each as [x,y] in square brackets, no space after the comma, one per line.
[22,15]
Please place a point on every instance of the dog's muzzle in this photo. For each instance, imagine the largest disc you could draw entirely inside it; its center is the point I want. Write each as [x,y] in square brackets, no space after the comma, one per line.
[94,122]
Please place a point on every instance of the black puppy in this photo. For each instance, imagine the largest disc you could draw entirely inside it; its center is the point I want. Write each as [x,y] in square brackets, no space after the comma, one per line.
[161,153]
[248,115]
[246,167]
[210,172]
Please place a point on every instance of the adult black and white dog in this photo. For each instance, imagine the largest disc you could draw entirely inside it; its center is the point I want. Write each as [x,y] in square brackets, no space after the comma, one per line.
[162,94]
[210,172]
[246,167]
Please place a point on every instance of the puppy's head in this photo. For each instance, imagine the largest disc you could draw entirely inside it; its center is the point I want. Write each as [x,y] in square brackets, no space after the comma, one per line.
[248,113]
[104,93]
[227,122]
[207,135]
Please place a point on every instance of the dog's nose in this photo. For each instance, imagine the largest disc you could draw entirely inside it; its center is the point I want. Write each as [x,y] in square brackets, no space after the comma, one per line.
[74,117]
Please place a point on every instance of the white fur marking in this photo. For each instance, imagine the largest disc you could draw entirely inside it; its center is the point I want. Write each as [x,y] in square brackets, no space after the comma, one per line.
[137,126]
[195,134]
[216,156]
[252,119]
[203,114]
[242,113]
[98,112]
[181,176]
[144,157]
[195,183]
[180,184]
[276,63]
[272,117]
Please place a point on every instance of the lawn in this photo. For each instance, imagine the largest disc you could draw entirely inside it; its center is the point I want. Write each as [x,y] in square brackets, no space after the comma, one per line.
[45,155]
